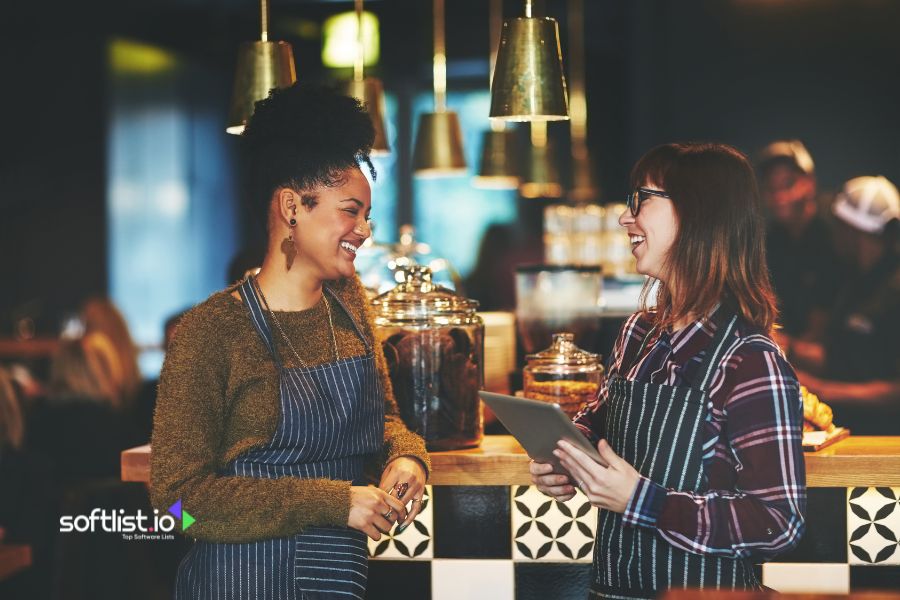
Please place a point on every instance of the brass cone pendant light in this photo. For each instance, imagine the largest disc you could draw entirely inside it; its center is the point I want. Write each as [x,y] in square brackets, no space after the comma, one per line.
[438,149]
[542,178]
[498,168]
[529,84]
[368,90]
[262,66]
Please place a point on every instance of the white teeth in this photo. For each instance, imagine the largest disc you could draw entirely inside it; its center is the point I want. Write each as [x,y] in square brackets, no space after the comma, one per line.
[349,247]
[636,239]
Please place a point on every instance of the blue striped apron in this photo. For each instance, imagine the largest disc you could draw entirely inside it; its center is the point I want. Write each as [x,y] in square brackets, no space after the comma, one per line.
[332,422]
[659,430]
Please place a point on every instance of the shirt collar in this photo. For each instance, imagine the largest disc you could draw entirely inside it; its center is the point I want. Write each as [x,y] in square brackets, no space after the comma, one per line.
[693,338]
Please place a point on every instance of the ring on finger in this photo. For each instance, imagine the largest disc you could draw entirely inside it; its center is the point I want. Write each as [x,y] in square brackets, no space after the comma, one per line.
[401,489]
[388,514]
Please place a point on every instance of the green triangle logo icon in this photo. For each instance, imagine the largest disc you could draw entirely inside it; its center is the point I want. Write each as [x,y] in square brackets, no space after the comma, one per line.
[186,520]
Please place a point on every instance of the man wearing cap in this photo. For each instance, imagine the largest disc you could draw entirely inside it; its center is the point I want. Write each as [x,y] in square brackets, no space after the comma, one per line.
[861,358]
[800,253]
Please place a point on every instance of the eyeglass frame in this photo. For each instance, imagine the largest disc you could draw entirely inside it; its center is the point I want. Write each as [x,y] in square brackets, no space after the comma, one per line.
[635,207]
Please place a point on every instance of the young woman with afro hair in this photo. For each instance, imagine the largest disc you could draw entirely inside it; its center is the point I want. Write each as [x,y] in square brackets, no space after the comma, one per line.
[274,401]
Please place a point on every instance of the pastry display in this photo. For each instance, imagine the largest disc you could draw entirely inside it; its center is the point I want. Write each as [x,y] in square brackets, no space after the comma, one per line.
[570,395]
[563,374]
[817,416]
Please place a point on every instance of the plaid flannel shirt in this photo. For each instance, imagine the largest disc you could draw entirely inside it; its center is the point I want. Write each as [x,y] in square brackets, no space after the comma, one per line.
[752,452]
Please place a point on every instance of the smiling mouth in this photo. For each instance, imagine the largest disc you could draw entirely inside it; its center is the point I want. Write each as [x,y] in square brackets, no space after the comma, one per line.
[636,240]
[349,247]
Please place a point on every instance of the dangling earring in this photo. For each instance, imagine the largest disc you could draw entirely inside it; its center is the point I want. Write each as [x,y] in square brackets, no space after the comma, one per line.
[287,245]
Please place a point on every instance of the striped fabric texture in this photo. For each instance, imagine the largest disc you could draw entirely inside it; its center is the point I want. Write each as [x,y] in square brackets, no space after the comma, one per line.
[711,418]
[332,421]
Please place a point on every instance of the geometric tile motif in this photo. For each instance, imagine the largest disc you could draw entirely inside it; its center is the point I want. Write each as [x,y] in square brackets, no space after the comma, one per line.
[550,531]
[415,541]
[873,526]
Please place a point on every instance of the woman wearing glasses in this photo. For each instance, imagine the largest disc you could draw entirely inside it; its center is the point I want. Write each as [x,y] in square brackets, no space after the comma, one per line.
[274,401]
[700,416]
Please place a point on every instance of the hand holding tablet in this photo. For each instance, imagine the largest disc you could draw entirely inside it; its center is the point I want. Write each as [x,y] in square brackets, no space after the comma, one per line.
[538,426]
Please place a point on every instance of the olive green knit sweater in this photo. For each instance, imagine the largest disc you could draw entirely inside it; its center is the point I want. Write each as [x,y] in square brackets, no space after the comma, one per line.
[219,397]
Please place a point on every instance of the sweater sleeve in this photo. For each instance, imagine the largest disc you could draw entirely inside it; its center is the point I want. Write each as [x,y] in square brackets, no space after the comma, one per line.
[187,435]
[762,515]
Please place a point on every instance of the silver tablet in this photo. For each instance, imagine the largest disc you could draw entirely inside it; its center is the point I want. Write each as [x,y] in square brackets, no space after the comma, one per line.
[538,426]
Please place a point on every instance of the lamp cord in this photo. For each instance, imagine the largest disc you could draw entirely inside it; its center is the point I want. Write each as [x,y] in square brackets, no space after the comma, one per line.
[264,18]
[440,59]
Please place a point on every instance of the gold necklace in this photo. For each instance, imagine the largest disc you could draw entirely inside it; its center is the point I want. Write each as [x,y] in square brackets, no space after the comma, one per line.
[284,335]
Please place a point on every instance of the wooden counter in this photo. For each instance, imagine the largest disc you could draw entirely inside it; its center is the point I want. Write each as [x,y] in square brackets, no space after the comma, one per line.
[859,461]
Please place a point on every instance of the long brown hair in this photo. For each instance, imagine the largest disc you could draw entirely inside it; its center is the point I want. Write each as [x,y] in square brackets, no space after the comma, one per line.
[100,315]
[85,369]
[719,253]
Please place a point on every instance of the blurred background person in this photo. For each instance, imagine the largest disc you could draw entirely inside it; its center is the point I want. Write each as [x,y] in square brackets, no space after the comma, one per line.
[799,247]
[100,315]
[25,516]
[81,426]
[857,368]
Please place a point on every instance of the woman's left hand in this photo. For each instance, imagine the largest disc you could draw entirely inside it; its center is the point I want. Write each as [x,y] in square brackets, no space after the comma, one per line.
[409,471]
[609,487]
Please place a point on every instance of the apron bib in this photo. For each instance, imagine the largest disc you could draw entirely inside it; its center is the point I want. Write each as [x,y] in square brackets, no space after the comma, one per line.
[331,423]
[658,429]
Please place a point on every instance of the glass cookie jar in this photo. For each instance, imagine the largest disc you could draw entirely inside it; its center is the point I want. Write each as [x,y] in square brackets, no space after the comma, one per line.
[563,374]
[434,344]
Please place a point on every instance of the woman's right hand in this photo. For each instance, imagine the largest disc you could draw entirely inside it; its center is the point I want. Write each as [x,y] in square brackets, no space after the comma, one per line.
[556,485]
[368,507]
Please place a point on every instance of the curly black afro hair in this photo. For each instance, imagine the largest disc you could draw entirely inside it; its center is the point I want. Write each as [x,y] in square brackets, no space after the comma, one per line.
[302,137]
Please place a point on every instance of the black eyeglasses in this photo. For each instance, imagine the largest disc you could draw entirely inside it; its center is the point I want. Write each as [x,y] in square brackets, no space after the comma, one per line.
[638,196]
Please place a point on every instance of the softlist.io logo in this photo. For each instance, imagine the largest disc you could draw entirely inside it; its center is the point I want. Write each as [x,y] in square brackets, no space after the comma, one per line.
[132,526]
[178,512]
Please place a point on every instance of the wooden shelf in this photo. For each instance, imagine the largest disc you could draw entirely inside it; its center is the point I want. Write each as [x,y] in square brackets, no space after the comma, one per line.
[26,349]
[860,461]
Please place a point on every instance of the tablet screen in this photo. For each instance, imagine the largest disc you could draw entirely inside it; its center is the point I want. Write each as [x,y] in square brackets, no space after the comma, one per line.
[538,426]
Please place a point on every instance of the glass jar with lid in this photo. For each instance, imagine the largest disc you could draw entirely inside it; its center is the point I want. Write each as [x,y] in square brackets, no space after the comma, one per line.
[563,374]
[434,344]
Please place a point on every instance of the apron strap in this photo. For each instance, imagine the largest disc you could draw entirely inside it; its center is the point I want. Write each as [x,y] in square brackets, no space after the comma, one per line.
[356,325]
[258,317]
[714,352]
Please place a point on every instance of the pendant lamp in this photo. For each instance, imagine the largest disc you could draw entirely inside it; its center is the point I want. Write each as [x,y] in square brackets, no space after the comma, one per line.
[438,149]
[261,66]
[498,168]
[368,90]
[529,84]
[542,178]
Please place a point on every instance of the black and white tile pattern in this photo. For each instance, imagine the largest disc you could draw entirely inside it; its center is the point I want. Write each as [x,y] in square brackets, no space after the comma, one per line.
[502,543]
[873,526]
[546,530]
[415,543]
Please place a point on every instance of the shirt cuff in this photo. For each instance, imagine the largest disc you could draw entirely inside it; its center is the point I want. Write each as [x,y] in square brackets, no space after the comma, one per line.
[645,505]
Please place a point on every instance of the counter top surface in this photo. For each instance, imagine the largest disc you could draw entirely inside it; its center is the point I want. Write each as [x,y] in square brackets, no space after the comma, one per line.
[857,461]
